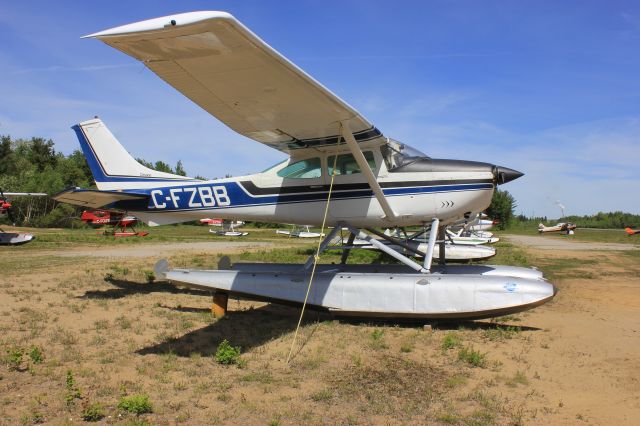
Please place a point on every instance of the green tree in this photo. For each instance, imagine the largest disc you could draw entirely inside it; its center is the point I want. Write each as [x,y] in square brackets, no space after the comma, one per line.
[7,165]
[501,208]
[145,163]
[161,166]
[180,169]
[41,153]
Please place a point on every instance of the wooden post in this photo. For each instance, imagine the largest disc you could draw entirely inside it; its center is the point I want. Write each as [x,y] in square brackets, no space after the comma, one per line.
[219,304]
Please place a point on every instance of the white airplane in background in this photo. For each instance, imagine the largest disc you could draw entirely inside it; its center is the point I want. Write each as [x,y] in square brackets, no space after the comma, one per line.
[469,238]
[300,231]
[221,222]
[228,227]
[566,227]
[479,224]
[223,67]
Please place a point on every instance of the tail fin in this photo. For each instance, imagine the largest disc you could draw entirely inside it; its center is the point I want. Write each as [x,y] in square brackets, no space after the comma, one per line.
[113,168]
[630,231]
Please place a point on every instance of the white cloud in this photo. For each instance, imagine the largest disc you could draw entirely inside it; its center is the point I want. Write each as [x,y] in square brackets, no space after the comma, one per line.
[590,166]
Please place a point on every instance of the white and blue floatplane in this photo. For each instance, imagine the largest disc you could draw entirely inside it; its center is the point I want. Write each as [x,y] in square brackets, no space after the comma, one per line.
[341,171]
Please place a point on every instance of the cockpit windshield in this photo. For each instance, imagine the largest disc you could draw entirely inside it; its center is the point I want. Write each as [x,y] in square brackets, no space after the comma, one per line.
[397,154]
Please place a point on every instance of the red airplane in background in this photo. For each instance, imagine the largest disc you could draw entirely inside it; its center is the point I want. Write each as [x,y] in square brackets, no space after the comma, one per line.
[6,210]
[122,225]
[211,222]
[632,231]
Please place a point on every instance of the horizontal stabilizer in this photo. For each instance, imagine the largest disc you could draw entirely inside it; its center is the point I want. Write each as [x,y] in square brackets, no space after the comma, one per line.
[94,198]
[25,194]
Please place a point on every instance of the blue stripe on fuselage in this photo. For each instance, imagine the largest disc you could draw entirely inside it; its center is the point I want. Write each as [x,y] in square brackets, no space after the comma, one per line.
[92,160]
[231,194]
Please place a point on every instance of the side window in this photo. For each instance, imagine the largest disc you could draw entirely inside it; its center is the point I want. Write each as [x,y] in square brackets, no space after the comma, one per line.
[346,164]
[305,169]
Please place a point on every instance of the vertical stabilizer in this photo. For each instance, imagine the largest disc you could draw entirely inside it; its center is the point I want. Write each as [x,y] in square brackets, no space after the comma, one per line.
[113,168]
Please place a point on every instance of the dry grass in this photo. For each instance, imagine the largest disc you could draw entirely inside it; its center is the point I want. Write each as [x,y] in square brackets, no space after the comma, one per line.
[126,337]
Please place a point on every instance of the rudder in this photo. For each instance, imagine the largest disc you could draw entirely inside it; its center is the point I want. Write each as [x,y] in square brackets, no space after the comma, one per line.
[113,168]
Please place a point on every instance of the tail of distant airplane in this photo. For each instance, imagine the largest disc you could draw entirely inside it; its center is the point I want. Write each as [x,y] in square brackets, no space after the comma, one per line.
[631,231]
[113,168]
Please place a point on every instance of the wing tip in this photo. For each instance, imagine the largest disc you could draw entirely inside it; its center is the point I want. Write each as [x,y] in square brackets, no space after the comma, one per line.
[161,23]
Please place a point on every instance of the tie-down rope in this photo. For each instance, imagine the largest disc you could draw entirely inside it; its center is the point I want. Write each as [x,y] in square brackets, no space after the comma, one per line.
[316,257]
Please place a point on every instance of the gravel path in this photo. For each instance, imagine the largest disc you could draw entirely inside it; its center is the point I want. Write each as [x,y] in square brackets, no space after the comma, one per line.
[551,243]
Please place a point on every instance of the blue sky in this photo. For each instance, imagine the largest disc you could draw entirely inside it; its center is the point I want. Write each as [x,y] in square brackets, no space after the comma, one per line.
[545,87]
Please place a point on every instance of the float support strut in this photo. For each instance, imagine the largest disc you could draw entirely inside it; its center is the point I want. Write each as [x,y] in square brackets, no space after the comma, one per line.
[442,238]
[219,304]
[323,245]
[388,250]
[428,258]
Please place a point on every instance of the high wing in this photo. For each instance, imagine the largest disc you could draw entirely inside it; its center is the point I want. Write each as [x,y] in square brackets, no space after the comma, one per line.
[230,72]
[95,198]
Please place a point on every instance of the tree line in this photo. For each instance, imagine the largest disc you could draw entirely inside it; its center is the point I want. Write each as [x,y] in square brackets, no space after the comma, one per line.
[33,165]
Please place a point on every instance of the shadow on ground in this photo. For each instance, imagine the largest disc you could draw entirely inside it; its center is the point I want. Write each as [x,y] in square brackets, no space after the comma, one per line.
[251,328]
[126,288]
[254,327]
[248,329]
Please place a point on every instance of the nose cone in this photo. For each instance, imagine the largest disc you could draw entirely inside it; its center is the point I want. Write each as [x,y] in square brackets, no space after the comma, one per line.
[503,174]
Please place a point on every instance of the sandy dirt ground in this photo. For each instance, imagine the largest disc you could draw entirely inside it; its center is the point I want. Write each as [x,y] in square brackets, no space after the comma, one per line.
[100,321]
[591,361]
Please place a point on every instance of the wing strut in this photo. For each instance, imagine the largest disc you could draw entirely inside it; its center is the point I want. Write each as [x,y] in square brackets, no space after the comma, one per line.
[368,173]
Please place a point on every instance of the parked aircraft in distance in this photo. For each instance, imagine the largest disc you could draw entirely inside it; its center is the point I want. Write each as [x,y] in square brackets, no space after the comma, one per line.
[632,231]
[300,231]
[227,227]
[6,210]
[122,225]
[221,222]
[567,227]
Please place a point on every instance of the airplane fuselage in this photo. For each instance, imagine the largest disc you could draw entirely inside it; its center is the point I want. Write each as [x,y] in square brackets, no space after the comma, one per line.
[427,188]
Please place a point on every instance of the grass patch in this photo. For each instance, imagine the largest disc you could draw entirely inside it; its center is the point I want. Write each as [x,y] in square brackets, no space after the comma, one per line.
[634,254]
[500,333]
[136,404]
[518,378]
[472,357]
[377,339]
[568,268]
[227,354]
[450,340]
[262,376]
[92,412]
[508,254]
[72,392]
[13,358]
[456,380]
[322,395]
[388,385]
